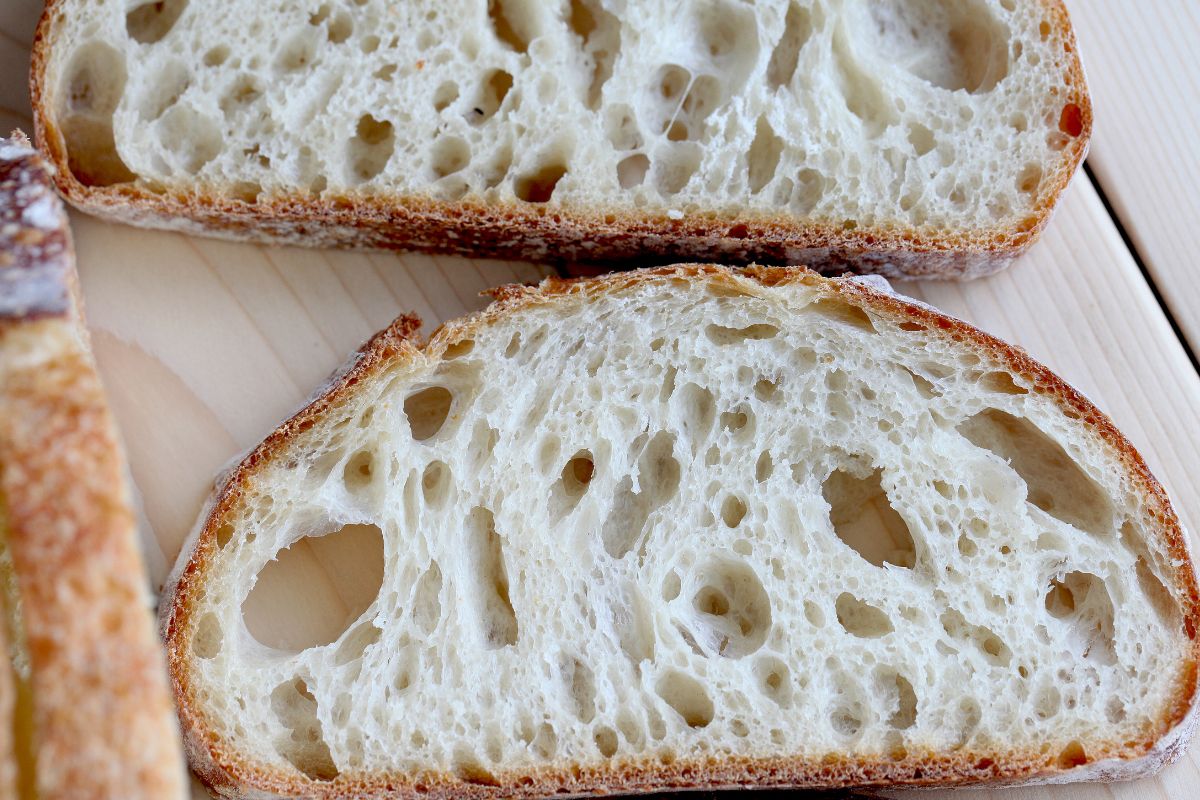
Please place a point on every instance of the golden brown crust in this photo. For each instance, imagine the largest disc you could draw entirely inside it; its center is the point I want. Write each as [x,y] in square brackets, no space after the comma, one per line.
[102,717]
[219,765]
[8,700]
[565,235]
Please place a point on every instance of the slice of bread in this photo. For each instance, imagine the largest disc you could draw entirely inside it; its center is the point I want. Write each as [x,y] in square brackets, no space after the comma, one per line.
[915,137]
[84,702]
[688,527]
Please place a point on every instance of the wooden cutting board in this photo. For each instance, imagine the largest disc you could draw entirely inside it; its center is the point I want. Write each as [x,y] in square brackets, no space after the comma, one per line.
[205,345]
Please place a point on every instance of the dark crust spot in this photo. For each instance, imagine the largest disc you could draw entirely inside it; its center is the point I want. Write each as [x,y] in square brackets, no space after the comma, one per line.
[35,258]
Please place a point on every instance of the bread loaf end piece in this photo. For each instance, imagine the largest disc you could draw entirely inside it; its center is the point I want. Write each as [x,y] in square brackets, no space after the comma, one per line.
[93,715]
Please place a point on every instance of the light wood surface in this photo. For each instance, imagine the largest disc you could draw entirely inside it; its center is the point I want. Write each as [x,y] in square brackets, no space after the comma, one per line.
[1143,66]
[205,346]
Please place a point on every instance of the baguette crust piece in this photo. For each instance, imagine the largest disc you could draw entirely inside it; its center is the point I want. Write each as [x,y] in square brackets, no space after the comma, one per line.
[102,721]
[229,774]
[562,232]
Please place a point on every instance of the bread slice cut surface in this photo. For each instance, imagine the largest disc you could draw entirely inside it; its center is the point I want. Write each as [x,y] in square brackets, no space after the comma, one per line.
[903,136]
[684,528]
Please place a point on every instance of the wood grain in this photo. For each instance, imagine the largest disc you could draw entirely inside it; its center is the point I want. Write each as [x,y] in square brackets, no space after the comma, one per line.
[205,346]
[1144,73]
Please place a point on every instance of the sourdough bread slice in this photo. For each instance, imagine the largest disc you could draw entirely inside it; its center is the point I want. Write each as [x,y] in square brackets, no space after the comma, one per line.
[84,703]
[689,527]
[918,137]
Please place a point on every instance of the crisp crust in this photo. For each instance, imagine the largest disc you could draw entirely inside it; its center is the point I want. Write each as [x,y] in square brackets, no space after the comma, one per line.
[227,774]
[566,235]
[8,701]
[34,252]
[102,716]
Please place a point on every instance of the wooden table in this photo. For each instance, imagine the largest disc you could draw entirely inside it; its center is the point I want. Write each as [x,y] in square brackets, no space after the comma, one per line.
[205,345]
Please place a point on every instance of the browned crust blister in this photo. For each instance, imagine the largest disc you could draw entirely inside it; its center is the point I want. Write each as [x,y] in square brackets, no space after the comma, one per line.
[224,770]
[564,234]
[102,718]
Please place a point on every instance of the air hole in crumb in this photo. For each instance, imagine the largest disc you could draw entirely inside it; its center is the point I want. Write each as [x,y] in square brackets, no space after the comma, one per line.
[497,617]
[734,420]
[722,335]
[687,697]
[304,747]
[797,28]
[371,148]
[435,484]
[774,680]
[1071,120]
[843,313]
[216,56]
[865,520]
[658,478]
[469,769]
[206,641]
[1056,483]
[921,138]
[450,155]
[970,43]
[763,467]
[446,94]
[1081,600]
[1030,179]
[573,482]
[538,186]
[1073,755]
[358,471]
[846,720]
[861,619]
[191,138]
[458,349]
[340,28]
[1002,383]
[94,84]
[151,21]
[427,410]
[734,611]
[606,741]
[631,170]
[224,535]
[514,345]
[698,409]
[733,511]
[582,686]
[1047,702]
[513,22]
[990,645]
[356,643]
[298,52]
[600,32]
[324,582]
[905,715]
[766,390]
[762,160]
[490,98]
[427,599]
[670,586]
